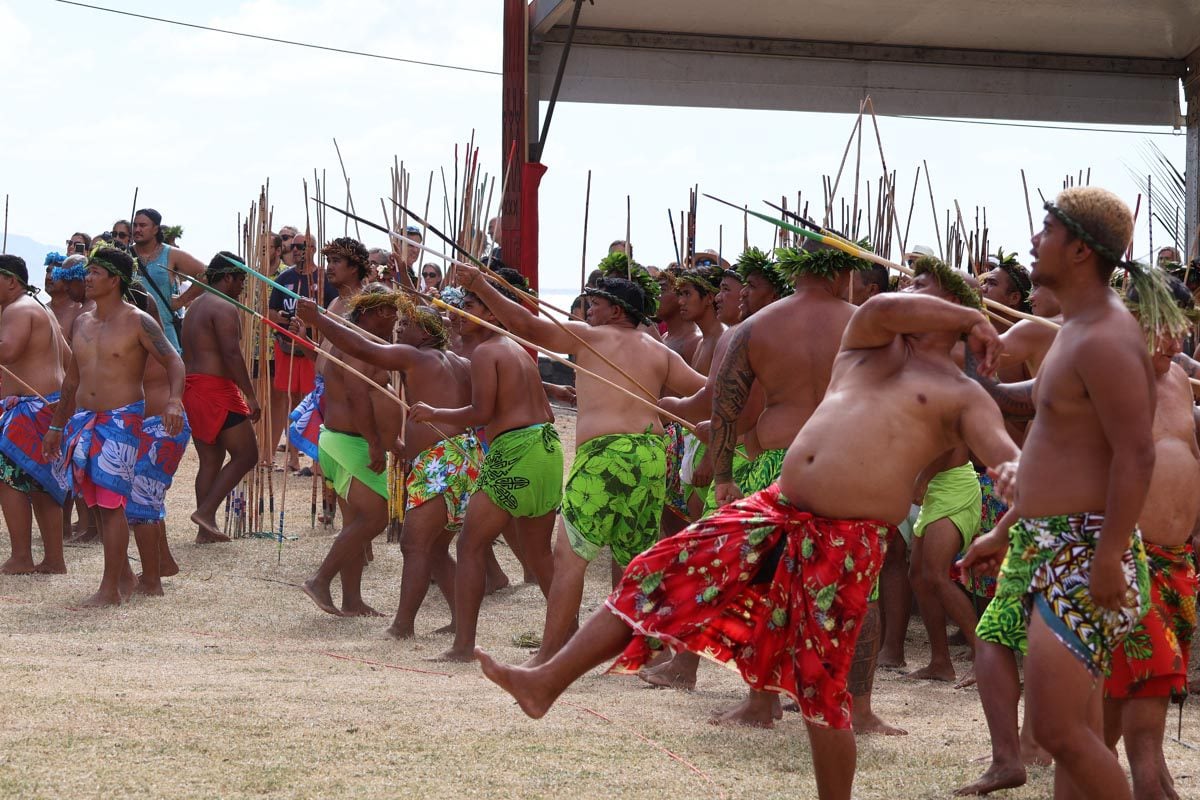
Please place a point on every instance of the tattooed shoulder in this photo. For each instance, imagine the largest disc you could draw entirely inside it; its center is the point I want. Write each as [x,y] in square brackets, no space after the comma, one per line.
[155,333]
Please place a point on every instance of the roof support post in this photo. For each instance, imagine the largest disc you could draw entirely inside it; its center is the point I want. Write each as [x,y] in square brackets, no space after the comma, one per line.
[1191,174]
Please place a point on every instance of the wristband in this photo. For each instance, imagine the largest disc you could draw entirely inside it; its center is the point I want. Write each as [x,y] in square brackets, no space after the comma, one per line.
[56,428]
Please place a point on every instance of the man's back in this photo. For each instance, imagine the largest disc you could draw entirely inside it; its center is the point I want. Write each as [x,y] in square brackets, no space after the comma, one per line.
[1065,464]
[208,323]
[519,403]
[604,410]
[791,345]
[39,360]
[1173,502]
[440,379]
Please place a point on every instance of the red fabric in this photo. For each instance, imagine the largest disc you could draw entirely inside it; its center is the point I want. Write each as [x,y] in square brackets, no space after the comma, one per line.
[293,374]
[787,626]
[1152,660]
[208,400]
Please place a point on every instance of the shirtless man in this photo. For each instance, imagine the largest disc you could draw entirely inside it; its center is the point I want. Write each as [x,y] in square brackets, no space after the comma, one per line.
[1150,667]
[950,510]
[1080,488]
[219,395]
[65,308]
[788,348]
[443,469]
[357,432]
[110,345]
[521,478]
[847,479]
[615,492]
[33,352]
[697,291]
[681,335]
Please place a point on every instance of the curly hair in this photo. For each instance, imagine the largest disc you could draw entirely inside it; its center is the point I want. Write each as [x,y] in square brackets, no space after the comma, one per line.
[354,251]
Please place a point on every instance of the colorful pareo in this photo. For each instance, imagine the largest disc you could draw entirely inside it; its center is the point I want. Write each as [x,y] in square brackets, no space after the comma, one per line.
[102,449]
[304,432]
[614,495]
[448,469]
[673,437]
[760,473]
[24,423]
[345,458]
[762,587]
[523,471]
[1153,659]
[1003,622]
[1060,593]
[158,460]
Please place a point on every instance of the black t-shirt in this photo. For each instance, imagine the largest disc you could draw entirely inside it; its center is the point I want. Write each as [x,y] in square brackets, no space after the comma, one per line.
[303,285]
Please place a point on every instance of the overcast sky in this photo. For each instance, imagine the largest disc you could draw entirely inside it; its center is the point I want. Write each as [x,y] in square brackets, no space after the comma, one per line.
[95,104]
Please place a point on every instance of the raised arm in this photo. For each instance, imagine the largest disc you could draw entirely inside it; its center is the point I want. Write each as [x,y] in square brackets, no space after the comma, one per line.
[154,341]
[881,319]
[519,319]
[353,343]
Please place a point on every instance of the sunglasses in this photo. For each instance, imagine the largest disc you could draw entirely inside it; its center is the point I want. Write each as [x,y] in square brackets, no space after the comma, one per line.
[299,247]
[429,274]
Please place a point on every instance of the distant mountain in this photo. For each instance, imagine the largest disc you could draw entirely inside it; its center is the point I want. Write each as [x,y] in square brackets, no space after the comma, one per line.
[34,254]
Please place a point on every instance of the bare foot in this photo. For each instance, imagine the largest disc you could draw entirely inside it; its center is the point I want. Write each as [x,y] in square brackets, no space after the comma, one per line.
[320,595]
[400,632]
[167,568]
[59,568]
[102,599]
[126,584]
[208,532]
[890,660]
[871,723]
[996,777]
[88,536]
[359,609]
[932,673]
[491,587]
[529,692]
[667,676]
[1034,755]
[748,713]
[16,566]
[447,629]
[455,655]
[149,589]
[966,680]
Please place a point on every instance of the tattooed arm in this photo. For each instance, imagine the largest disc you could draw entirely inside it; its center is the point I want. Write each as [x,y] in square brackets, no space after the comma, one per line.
[156,345]
[1192,367]
[1015,399]
[732,387]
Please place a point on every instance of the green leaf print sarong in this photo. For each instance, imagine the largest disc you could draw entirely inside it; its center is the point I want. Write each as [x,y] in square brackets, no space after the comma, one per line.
[760,473]
[523,471]
[614,495]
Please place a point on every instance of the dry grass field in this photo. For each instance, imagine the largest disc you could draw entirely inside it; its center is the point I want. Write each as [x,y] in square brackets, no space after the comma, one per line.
[235,685]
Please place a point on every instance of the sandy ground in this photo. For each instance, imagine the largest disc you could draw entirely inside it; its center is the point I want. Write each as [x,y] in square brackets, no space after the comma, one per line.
[235,685]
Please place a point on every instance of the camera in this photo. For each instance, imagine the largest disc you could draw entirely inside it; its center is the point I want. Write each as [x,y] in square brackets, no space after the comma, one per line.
[79,247]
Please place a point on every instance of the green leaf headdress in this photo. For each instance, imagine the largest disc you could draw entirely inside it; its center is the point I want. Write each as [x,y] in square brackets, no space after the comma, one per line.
[617,265]
[821,261]
[755,260]
[950,280]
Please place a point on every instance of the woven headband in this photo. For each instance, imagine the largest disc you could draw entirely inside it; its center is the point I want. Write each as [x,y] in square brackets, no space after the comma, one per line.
[696,280]
[111,269]
[637,315]
[20,280]
[235,267]
[1090,240]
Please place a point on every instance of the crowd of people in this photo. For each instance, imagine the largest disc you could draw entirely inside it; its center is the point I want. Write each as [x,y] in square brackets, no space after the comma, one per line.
[780,455]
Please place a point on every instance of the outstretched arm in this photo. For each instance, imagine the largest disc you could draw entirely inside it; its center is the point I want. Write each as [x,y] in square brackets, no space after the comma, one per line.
[520,320]
[189,265]
[353,343]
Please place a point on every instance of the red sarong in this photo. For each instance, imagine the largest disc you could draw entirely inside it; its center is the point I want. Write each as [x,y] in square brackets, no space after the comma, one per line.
[1152,661]
[208,400]
[763,587]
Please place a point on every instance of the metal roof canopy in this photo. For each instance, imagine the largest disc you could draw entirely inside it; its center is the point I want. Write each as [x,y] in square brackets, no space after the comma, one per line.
[1088,61]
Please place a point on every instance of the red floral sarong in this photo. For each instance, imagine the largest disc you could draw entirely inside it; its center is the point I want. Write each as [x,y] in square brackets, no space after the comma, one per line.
[763,587]
[1152,661]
